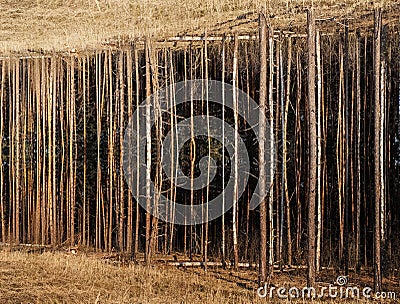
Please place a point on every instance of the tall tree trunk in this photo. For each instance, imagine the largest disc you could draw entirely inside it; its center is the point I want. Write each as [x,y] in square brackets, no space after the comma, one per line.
[137,221]
[262,276]
[298,154]
[223,245]
[147,255]
[357,152]
[347,150]
[284,127]
[312,148]
[271,148]
[2,207]
[129,221]
[319,153]
[236,162]
[209,151]
[377,150]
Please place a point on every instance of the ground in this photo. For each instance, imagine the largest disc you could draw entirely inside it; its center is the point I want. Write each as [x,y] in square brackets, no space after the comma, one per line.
[64,277]
[63,25]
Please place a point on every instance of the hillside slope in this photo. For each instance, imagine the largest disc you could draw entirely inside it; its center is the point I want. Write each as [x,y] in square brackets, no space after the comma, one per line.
[56,25]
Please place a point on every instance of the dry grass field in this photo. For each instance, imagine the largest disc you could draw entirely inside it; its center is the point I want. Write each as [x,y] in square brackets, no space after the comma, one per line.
[89,278]
[67,278]
[59,25]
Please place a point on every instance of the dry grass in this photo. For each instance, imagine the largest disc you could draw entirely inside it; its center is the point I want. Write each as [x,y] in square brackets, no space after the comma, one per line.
[62,278]
[66,278]
[82,24]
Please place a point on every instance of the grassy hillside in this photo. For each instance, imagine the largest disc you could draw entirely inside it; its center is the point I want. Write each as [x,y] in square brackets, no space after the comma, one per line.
[65,24]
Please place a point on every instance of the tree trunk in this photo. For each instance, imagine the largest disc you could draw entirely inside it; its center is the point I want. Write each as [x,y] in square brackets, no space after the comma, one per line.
[312,148]
[236,162]
[377,150]
[262,276]
[147,255]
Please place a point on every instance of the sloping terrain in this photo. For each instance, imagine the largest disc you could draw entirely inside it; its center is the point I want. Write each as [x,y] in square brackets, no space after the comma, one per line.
[59,25]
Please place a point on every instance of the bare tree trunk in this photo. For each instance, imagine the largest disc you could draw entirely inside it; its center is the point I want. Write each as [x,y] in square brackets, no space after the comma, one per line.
[154,244]
[129,220]
[85,215]
[185,78]
[271,148]
[223,246]
[262,276]
[110,118]
[99,110]
[357,152]
[246,245]
[281,98]
[121,187]
[347,149]
[382,149]
[298,153]
[340,153]
[236,164]
[319,154]
[17,154]
[192,155]
[209,153]
[137,222]
[148,153]
[2,207]
[175,154]
[377,150]
[284,127]
[312,148]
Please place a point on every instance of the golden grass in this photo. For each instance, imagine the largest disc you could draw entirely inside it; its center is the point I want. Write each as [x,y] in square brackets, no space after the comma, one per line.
[67,278]
[62,278]
[55,25]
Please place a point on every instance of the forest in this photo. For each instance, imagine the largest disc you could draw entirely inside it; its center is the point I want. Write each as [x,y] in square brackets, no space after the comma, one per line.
[322,157]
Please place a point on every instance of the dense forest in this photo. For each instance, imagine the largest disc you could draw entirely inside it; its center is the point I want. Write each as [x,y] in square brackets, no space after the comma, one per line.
[331,104]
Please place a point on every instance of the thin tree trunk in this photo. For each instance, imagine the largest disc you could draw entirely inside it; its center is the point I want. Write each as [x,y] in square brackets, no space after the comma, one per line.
[271,148]
[262,275]
[209,154]
[85,216]
[357,152]
[99,110]
[235,165]
[312,148]
[377,150]
[129,220]
[319,153]
[121,139]
[148,152]
[298,153]
[137,222]
[340,154]
[246,245]
[347,150]
[223,245]
[17,154]
[284,160]
[2,207]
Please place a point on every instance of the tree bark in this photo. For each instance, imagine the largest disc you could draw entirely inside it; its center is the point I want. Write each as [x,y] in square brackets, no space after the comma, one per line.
[262,276]
[377,150]
[312,148]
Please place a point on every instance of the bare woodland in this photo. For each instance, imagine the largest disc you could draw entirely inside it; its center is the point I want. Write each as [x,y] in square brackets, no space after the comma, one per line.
[332,102]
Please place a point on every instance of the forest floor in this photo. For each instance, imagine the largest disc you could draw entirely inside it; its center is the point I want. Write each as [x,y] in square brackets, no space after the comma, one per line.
[74,25]
[63,277]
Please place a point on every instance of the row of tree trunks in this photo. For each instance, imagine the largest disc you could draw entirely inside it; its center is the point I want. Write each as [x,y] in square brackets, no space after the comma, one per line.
[60,187]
